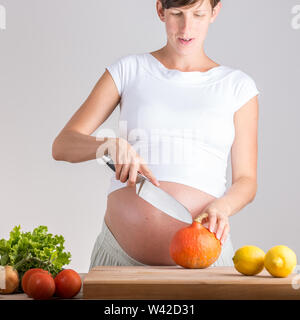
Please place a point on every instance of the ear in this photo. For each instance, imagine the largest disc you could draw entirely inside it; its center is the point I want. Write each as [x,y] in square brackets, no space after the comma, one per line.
[160,10]
[216,11]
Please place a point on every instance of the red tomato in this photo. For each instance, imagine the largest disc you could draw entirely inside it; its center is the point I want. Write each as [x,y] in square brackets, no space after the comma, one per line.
[41,286]
[67,283]
[28,274]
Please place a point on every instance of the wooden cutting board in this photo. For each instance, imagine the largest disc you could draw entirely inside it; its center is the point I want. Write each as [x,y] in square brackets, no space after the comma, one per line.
[175,282]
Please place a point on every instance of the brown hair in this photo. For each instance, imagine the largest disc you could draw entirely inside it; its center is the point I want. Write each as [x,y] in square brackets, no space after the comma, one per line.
[166,4]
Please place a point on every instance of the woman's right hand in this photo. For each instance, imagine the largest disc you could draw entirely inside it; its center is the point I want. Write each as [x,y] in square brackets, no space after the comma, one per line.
[127,162]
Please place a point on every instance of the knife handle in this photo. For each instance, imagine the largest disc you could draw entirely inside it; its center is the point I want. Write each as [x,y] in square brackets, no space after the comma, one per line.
[108,160]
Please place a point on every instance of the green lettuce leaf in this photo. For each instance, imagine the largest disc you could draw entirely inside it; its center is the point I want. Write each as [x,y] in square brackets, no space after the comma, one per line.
[36,249]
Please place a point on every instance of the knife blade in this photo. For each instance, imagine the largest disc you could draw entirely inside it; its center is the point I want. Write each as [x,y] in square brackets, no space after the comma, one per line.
[157,197]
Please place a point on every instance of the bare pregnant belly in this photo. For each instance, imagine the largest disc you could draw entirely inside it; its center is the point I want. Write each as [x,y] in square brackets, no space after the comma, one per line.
[145,232]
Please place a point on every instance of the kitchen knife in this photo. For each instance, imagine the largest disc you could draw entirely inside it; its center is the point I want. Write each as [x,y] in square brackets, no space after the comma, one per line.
[156,196]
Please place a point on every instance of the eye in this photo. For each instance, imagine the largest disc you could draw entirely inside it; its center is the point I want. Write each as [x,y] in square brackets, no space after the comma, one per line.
[197,15]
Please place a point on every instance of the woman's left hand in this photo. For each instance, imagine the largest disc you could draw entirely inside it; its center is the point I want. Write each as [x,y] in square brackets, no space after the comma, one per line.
[216,219]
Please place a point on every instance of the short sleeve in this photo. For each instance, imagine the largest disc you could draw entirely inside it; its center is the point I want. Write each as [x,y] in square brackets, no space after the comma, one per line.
[245,90]
[116,71]
[122,71]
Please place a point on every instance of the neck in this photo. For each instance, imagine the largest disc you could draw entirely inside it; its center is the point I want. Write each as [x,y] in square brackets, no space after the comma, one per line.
[197,61]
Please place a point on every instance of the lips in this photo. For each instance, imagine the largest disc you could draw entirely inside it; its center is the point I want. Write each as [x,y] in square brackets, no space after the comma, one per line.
[184,42]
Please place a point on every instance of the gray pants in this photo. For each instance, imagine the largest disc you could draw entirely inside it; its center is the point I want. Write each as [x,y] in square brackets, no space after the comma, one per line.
[107,252]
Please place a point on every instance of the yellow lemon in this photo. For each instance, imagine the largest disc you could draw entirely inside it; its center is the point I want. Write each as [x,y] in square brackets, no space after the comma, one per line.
[249,260]
[280,261]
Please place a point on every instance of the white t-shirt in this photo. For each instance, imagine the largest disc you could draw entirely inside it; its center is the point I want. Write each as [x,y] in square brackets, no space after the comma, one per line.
[180,123]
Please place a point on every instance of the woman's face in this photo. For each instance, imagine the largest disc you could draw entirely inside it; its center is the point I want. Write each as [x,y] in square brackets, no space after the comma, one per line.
[188,22]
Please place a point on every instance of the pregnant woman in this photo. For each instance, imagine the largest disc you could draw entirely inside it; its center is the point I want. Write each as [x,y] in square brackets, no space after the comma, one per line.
[176,94]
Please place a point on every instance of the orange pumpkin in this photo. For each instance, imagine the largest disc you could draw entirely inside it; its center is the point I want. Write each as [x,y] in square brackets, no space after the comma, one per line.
[195,246]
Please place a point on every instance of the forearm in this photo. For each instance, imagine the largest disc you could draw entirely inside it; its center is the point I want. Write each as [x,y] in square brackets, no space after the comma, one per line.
[75,147]
[238,195]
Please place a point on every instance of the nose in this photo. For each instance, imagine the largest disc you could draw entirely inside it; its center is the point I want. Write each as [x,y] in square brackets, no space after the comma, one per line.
[186,24]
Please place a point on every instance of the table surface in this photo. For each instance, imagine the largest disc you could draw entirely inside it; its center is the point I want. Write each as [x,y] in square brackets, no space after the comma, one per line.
[79,296]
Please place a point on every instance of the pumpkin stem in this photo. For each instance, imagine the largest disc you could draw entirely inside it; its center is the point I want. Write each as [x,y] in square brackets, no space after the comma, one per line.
[201,217]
